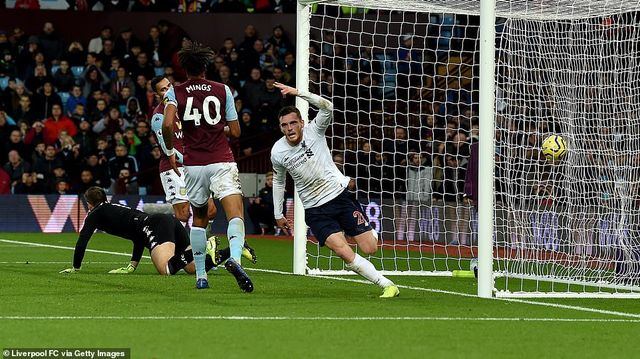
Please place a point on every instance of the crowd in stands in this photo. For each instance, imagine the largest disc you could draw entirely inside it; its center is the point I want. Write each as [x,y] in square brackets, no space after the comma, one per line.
[74,114]
[182,6]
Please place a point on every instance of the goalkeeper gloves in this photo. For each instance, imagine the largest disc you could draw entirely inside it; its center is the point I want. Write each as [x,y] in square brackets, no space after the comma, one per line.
[124,270]
[69,270]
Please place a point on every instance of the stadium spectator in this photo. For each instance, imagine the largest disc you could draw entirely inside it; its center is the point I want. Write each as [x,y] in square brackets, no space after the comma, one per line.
[269,101]
[125,42]
[124,184]
[5,128]
[93,79]
[111,123]
[75,54]
[99,111]
[63,78]
[51,42]
[224,75]
[107,55]
[121,81]
[280,42]
[62,187]
[151,46]
[122,160]
[142,67]
[86,181]
[8,67]
[36,78]
[252,55]
[261,209]
[29,184]
[35,134]
[45,99]
[252,88]
[26,57]
[44,166]
[15,167]
[86,138]
[96,162]
[249,132]
[419,176]
[228,46]
[75,98]
[171,39]
[95,44]
[16,143]
[5,182]
[57,123]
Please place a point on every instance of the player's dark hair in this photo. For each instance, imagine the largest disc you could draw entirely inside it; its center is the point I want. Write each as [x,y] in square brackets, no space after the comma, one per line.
[95,195]
[155,81]
[195,57]
[287,110]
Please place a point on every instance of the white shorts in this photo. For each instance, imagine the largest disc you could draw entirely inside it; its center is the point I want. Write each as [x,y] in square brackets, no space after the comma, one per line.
[217,179]
[174,187]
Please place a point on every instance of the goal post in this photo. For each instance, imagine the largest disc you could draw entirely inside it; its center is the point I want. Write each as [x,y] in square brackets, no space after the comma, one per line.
[417,86]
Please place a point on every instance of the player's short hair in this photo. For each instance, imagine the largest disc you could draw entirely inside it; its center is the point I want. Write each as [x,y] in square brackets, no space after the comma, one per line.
[155,81]
[95,195]
[195,57]
[287,110]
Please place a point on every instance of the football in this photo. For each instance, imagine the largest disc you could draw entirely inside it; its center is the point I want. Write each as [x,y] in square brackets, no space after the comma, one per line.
[554,147]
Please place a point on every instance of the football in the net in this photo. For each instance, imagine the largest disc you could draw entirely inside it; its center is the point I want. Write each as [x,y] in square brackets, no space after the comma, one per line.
[554,147]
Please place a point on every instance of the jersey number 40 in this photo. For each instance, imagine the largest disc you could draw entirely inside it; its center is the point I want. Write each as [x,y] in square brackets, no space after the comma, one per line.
[193,114]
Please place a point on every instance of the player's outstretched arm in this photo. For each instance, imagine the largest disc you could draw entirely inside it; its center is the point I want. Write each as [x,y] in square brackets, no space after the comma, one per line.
[86,232]
[170,110]
[325,115]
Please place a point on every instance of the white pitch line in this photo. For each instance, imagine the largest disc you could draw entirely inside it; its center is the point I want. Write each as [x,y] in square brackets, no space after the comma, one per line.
[276,318]
[68,248]
[431,290]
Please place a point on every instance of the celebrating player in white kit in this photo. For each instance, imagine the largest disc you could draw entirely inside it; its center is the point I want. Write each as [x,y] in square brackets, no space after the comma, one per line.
[332,212]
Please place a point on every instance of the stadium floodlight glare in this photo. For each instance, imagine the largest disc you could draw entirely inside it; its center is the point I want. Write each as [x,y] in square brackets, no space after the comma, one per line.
[431,77]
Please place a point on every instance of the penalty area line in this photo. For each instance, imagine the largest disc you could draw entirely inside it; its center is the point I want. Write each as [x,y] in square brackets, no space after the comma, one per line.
[293,318]
[422,289]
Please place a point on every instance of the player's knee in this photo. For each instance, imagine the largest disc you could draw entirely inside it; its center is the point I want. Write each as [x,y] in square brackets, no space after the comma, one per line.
[368,248]
[212,212]
[182,212]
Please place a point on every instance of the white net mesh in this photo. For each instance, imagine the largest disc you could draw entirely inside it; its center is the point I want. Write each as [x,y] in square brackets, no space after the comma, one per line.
[405,89]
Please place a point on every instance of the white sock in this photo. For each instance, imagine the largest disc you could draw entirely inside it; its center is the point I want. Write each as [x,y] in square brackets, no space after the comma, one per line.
[363,267]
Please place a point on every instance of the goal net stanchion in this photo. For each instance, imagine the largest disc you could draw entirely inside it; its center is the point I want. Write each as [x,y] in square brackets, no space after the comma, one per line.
[409,77]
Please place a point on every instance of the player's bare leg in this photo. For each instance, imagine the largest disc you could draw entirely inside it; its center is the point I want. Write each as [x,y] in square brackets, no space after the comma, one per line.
[160,256]
[234,210]
[181,211]
[367,241]
[198,240]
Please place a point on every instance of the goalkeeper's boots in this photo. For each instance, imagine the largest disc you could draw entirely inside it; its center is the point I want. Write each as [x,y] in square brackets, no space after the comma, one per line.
[212,245]
[249,253]
[244,282]
[390,292]
[202,283]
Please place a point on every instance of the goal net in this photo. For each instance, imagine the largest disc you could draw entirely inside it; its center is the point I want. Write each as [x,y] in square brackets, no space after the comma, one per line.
[404,80]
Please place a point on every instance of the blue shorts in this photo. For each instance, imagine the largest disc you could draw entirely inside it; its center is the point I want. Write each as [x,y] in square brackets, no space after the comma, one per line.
[343,213]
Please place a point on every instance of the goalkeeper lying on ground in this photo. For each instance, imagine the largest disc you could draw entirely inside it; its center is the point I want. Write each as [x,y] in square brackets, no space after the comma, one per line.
[162,234]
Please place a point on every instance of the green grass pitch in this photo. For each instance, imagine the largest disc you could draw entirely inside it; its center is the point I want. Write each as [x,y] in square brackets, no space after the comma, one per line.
[286,316]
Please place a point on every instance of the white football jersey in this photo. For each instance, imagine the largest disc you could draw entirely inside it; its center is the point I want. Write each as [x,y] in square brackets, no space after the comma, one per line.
[317,179]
